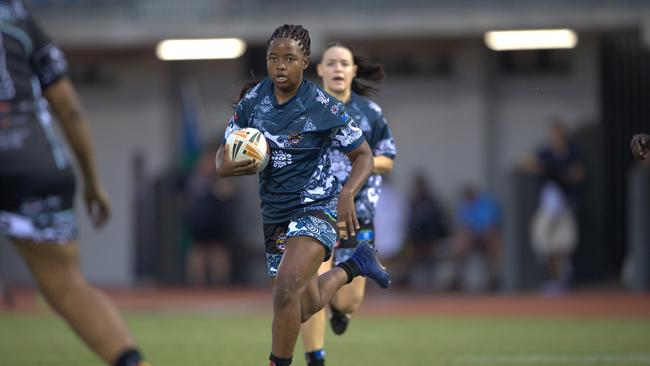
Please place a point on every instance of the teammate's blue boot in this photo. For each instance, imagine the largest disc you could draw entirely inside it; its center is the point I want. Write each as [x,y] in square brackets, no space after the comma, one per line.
[366,259]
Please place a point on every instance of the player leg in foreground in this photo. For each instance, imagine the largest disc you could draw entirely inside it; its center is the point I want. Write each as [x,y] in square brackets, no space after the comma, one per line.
[89,313]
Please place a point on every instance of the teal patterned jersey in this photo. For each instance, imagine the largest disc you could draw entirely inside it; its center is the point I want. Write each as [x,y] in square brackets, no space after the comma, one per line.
[369,117]
[300,133]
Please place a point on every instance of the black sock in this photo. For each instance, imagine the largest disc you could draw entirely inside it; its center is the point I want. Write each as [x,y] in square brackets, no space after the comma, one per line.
[277,361]
[130,357]
[351,268]
[315,358]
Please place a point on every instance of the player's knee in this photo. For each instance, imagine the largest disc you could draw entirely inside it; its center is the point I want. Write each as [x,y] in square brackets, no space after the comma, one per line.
[353,306]
[288,289]
[349,306]
[308,310]
[306,314]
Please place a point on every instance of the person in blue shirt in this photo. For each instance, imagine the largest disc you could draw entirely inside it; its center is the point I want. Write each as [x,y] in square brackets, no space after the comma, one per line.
[304,207]
[37,182]
[479,217]
[342,73]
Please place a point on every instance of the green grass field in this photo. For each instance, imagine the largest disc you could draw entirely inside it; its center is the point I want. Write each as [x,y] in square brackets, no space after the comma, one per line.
[217,339]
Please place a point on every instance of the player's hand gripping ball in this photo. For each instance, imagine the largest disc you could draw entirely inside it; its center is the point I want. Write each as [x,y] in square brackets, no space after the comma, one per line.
[248,143]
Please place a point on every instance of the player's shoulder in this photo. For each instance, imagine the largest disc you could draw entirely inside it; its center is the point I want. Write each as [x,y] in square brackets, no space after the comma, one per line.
[256,92]
[321,102]
[314,95]
[370,109]
[369,106]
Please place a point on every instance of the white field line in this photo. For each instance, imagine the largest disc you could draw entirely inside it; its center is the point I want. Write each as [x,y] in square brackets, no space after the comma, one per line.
[555,359]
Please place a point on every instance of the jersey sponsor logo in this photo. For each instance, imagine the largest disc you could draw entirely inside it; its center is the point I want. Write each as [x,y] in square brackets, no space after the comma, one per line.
[345,117]
[295,137]
[280,242]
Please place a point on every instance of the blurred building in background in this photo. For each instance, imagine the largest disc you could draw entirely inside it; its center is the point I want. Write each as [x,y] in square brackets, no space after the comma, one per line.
[460,112]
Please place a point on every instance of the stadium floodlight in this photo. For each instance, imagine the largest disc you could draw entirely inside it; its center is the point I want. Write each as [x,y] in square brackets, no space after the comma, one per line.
[534,39]
[200,49]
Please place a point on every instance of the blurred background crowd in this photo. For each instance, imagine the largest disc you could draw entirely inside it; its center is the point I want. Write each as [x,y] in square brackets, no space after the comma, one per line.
[513,170]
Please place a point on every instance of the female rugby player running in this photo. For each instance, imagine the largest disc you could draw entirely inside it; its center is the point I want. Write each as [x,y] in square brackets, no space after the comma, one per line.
[303,205]
[341,72]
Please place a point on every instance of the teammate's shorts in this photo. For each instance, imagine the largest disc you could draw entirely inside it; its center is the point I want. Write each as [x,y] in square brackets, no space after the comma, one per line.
[320,225]
[37,184]
[344,248]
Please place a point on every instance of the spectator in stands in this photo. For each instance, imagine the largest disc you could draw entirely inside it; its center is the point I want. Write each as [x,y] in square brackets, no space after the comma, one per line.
[427,223]
[554,225]
[211,204]
[478,220]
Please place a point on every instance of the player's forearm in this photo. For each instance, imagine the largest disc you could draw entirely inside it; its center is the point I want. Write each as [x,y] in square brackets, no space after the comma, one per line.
[383,164]
[218,162]
[362,166]
[67,109]
[78,134]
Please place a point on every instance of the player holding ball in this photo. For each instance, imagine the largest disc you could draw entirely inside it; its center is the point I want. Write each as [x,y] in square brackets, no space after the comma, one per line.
[304,208]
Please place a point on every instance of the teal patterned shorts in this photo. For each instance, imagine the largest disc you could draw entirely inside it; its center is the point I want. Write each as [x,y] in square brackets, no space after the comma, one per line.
[320,225]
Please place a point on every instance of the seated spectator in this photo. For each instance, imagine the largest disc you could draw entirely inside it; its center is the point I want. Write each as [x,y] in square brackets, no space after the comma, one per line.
[478,219]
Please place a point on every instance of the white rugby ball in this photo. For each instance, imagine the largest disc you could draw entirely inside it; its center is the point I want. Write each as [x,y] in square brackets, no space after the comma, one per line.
[248,143]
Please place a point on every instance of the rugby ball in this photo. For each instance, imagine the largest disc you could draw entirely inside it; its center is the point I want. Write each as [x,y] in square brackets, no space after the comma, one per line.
[248,143]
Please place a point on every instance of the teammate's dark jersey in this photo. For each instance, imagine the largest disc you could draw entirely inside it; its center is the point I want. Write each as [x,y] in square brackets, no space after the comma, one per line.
[368,116]
[38,184]
[29,62]
[300,133]
[27,52]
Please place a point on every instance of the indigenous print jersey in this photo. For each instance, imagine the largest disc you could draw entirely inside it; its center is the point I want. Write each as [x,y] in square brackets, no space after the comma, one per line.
[370,119]
[300,134]
[29,63]
[25,52]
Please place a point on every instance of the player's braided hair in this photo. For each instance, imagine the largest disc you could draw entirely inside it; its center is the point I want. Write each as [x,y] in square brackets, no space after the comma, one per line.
[291,31]
[295,32]
[244,89]
[366,70]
